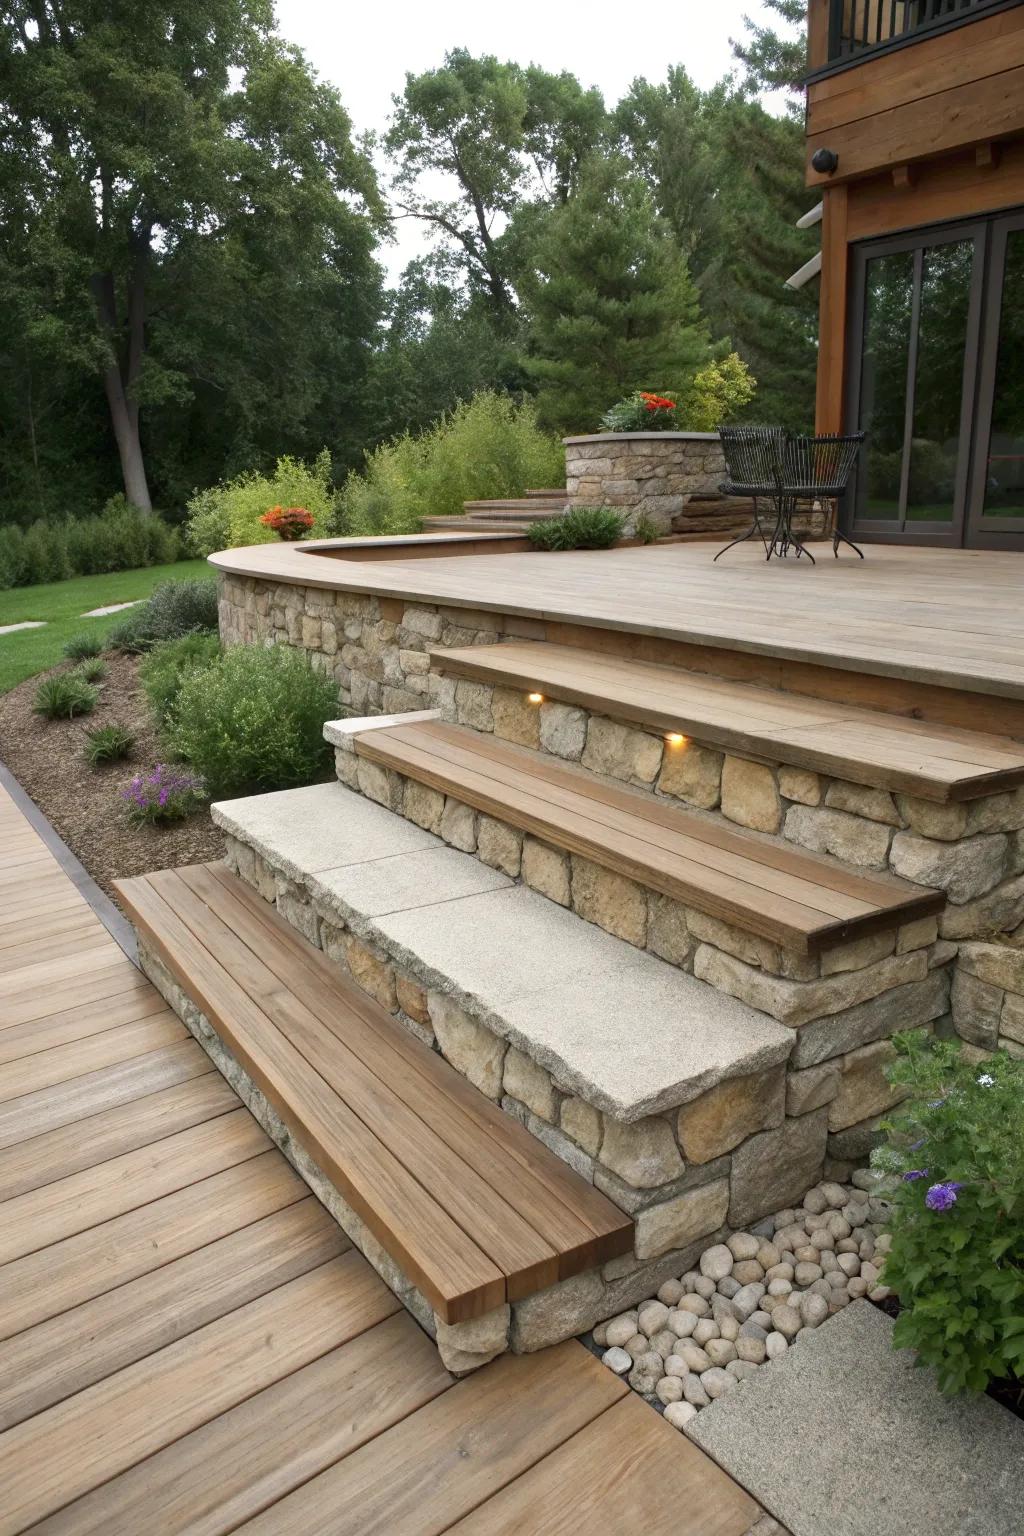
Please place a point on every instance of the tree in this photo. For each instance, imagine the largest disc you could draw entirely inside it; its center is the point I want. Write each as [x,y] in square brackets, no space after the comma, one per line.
[611,306]
[776,60]
[499,136]
[132,162]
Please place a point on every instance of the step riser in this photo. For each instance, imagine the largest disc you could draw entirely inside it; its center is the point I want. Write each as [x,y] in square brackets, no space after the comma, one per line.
[865,826]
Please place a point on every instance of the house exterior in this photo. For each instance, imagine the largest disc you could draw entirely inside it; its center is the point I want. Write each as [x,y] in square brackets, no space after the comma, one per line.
[915,141]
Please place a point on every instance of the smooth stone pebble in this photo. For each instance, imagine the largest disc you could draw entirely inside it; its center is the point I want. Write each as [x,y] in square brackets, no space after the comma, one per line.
[786,1320]
[883,1242]
[741,1369]
[815,1224]
[747,1271]
[839,1226]
[878,1293]
[849,1263]
[664,1342]
[748,1299]
[743,1245]
[784,1219]
[617,1360]
[775,1345]
[722,1308]
[716,1382]
[815,1201]
[857,1286]
[779,1272]
[720,1351]
[752,1330]
[669,1390]
[679,1414]
[704,1331]
[762,1320]
[728,1287]
[829,1263]
[806,1274]
[646,1373]
[767,1255]
[836,1280]
[689,1280]
[601,1335]
[716,1262]
[705,1286]
[694,1356]
[806,1254]
[835,1195]
[693,1392]
[753,1349]
[621,1328]
[675,1365]
[695,1304]
[839,1300]
[780,1287]
[824,1241]
[670,1292]
[821,1287]
[869,1272]
[682,1323]
[651,1317]
[813,1310]
[637,1344]
[729,1328]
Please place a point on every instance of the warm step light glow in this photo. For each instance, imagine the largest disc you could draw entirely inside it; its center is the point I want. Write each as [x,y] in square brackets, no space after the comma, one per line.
[675,740]
[535,698]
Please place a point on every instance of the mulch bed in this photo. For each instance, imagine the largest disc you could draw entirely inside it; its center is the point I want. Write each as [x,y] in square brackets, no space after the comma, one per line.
[84,804]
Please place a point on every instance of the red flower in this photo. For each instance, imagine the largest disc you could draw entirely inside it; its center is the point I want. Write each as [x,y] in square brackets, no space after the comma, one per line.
[288,522]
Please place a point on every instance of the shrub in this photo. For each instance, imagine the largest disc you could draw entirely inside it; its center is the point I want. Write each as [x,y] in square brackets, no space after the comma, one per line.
[253,721]
[168,664]
[93,669]
[63,696]
[79,647]
[643,412]
[487,447]
[162,796]
[957,1256]
[121,538]
[580,528]
[175,608]
[716,394]
[108,744]
[230,514]
[289,523]
[646,529]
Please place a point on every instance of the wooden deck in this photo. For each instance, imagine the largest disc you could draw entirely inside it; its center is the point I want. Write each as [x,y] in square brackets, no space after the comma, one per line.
[948,618]
[188,1343]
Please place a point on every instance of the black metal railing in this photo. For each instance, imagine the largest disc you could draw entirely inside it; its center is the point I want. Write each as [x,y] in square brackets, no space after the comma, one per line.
[857,25]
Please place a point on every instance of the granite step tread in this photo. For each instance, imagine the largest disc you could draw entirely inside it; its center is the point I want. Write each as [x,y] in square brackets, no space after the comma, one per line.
[627,1032]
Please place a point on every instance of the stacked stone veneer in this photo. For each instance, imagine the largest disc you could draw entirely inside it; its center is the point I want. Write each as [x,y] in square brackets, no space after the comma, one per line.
[649,473]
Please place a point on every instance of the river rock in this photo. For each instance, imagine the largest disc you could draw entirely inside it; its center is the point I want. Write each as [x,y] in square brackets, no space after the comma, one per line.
[646,1373]
[669,1390]
[617,1360]
[716,1382]
[621,1328]
[775,1345]
[652,1317]
[716,1262]
[679,1414]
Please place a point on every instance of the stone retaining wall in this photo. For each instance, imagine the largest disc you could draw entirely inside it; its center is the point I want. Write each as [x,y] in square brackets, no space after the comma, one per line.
[644,473]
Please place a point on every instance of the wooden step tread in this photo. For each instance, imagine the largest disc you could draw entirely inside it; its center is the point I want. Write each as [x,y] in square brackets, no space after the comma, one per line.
[474,1209]
[915,757]
[804,901]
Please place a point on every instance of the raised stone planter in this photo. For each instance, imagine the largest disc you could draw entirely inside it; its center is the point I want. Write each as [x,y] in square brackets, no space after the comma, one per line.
[651,473]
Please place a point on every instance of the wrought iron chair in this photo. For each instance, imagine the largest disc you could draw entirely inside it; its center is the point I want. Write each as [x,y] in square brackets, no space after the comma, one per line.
[816,469]
[753,463]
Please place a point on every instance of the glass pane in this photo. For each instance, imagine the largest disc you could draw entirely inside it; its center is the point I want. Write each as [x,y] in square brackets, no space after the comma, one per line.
[1004,487]
[889,291]
[941,339]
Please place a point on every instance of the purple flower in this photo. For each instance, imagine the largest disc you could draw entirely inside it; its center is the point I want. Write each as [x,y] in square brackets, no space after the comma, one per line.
[942,1197]
[915,1173]
[163,797]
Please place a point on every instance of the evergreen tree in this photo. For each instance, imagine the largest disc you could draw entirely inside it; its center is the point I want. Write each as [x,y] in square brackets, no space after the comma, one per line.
[610,303]
[775,60]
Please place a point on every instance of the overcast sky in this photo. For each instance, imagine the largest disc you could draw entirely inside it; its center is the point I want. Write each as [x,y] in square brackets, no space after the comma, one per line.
[366,50]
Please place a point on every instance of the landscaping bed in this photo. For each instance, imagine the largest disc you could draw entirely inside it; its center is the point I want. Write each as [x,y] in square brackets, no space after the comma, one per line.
[85,804]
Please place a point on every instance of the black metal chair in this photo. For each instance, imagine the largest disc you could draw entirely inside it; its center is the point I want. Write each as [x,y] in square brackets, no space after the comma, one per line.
[753,463]
[817,469]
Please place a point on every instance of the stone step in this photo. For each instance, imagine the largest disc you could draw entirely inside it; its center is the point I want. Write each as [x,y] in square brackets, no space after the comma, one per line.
[862,746]
[534,505]
[804,902]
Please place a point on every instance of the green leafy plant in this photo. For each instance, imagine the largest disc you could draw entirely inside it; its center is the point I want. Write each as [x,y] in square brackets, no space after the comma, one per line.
[488,447]
[121,538]
[580,528]
[165,668]
[253,721]
[646,529]
[93,669]
[642,412]
[79,647]
[161,796]
[107,744]
[232,513]
[63,696]
[957,1228]
[717,393]
[175,608]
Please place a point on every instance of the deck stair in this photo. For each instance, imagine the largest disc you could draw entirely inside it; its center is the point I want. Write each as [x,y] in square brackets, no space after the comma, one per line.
[806,902]
[511,514]
[931,761]
[474,1210]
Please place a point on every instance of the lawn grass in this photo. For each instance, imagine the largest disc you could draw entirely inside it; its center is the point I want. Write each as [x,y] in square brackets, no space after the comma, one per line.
[62,603]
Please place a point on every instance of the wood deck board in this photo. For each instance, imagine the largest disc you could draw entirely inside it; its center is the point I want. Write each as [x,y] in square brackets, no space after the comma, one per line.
[886,751]
[801,900]
[943,618]
[186,1346]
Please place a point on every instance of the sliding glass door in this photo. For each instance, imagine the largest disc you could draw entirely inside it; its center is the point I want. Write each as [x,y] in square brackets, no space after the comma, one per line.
[937,382]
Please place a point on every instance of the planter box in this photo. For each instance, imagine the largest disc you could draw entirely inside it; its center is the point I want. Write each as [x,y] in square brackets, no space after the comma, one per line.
[656,473]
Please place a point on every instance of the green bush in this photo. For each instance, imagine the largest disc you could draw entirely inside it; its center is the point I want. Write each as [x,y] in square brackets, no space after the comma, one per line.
[108,744]
[489,447]
[957,1226]
[717,393]
[176,608]
[79,647]
[63,696]
[93,669]
[253,721]
[580,528]
[168,664]
[227,515]
[121,538]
